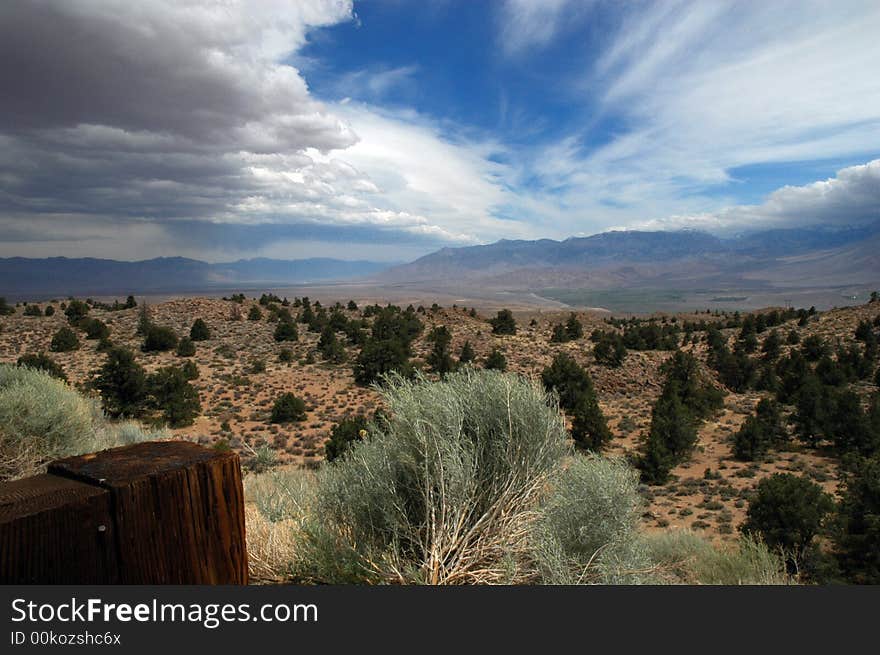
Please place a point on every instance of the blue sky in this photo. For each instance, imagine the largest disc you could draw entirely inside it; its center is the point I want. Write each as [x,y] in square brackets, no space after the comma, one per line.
[385,129]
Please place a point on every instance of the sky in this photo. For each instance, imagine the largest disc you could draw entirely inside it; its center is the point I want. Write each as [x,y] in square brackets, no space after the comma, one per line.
[386,129]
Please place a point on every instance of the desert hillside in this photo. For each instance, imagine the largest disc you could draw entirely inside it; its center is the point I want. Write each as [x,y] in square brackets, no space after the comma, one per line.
[240,376]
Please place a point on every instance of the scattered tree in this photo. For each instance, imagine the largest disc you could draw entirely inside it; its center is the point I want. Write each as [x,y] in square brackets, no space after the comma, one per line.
[787,511]
[159,338]
[503,323]
[122,383]
[288,409]
[199,330]
[65,340]
[186,347]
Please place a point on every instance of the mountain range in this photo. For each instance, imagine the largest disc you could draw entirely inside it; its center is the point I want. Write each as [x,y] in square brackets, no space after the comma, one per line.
[24,278]
[768,262]
[687,259]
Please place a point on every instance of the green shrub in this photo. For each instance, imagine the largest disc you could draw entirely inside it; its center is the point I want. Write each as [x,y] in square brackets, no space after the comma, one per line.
[190,370]
[171,393]
[254,314]
[287,409]
[159,338]
[787,511]
[503,323]
[285,356]
[286,331]
[682,557]
[343,435]
[50,310]
[42,418]
[444,491]
[65,340]
[5,308]
[199,330]
[75,311]
[42,362]
[33,310]
[496,361]
[122,383]
[186,347]
[588,529]
[94,328]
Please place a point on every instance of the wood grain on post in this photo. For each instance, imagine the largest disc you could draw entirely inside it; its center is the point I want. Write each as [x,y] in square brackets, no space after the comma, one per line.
[174,515]
[51,532]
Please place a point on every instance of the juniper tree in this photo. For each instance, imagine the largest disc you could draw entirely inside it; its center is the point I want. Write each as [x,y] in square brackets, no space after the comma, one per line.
[287,409]
[467,354]
[787,511]
[439,359]
[122,383]
[171,393]
[503,323]
[858,540]
[286,331]
[573,327]
[496,361]
[64,340]
[199,330]
[589,429]
[329,346]
[186,347]
[159,338]
[380,356]
[568,379]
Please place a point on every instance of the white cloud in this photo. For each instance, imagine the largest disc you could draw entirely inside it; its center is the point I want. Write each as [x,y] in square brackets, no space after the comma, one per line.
[527,24]
[852,197]
[700,89]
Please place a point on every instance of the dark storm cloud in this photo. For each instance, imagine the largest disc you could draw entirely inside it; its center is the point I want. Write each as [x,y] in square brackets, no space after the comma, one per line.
[144,118]
[150,68]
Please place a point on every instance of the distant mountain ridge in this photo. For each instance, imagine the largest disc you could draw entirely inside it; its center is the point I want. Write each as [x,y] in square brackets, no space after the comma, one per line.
[23,277]
[687,258]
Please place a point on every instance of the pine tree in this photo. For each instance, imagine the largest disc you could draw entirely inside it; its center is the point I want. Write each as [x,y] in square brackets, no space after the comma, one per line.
[589,430]
[439,359]
[199,331]
[496,361]
[503,323]
[573,327]
[329,346]
[172,394]
[467,354]
[122,383]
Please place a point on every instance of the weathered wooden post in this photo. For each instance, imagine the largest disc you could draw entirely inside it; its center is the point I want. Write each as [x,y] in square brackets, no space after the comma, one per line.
[168,512]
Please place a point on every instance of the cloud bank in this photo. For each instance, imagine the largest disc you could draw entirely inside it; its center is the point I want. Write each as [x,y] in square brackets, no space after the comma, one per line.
[137,129]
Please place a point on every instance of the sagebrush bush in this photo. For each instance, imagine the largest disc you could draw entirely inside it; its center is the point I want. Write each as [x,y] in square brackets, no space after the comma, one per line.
[445,490]
[684,557]
[42,418]
[589,524]
[472,480]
